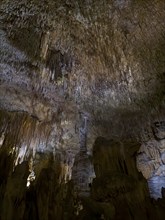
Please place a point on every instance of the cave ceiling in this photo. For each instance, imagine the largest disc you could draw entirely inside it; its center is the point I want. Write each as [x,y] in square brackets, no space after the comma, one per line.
[105,59]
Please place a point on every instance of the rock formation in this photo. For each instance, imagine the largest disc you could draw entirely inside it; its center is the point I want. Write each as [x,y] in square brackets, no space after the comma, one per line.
[150,160]
[82,120]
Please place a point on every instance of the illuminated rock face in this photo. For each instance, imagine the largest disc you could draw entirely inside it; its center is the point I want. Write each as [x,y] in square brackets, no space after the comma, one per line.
[70,72]
[150,160]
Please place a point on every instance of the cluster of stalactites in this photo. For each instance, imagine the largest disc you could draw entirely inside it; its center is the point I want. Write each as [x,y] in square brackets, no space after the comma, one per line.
[22,135]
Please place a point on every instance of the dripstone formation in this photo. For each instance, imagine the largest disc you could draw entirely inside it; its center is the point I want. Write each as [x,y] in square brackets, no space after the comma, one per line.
[82,109]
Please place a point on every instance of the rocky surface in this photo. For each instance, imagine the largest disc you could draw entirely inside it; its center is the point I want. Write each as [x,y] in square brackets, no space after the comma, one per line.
[115,193]
[104,58]
[70,72]
[150,159]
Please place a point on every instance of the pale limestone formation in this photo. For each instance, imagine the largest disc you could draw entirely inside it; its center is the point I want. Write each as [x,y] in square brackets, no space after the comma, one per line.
[148,159]
[151,159]
[163,157]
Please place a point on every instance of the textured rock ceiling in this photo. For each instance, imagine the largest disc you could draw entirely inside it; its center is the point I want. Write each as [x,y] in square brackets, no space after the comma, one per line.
[106,58]
[61,60]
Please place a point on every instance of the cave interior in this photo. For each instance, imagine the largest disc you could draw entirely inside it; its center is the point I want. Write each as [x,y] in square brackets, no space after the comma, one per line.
[82,110]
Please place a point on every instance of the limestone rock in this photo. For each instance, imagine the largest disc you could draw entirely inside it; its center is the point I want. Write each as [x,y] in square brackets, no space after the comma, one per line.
[150,161]
[64,60]
[149,158]
[159,129]
[82,173]
[163,157]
